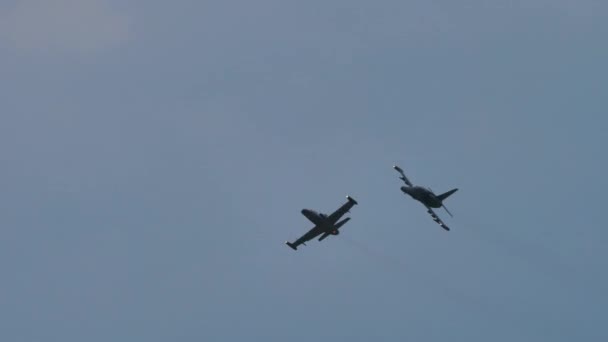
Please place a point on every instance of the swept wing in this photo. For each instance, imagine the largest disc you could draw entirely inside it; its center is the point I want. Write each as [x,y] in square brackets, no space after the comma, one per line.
[403,177]
[437,219]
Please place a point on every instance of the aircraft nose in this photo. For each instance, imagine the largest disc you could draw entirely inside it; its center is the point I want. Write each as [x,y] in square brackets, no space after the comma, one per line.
[406,190]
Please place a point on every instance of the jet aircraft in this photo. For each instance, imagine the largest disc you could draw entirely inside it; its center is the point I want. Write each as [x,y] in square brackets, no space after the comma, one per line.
[426,197]
[324,224]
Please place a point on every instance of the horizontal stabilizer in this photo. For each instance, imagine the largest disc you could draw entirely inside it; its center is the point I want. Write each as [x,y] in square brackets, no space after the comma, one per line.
[446,194]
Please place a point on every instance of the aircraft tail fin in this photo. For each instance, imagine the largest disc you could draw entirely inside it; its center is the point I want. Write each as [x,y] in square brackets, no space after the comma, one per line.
[291,245]
[446,194]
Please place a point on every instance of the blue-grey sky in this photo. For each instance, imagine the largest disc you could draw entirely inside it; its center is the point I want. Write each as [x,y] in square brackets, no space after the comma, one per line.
[156,155]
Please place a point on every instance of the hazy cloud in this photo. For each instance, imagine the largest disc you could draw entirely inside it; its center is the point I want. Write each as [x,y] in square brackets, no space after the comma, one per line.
[63,25]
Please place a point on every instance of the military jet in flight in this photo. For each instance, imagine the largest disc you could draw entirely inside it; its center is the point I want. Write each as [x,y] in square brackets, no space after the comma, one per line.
[426,197]
[324,224]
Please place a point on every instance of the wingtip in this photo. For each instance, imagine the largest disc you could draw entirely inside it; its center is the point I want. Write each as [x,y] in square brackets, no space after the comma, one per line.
[351,199]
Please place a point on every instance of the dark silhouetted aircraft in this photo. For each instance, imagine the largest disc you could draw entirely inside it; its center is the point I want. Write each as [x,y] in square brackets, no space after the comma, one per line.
[426,197]
[325,225]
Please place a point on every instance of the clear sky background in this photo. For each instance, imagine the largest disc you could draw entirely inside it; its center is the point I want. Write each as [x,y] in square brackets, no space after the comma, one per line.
[155,155]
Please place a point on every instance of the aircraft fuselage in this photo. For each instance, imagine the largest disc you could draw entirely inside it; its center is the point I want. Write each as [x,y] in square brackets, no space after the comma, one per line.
[423,195]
